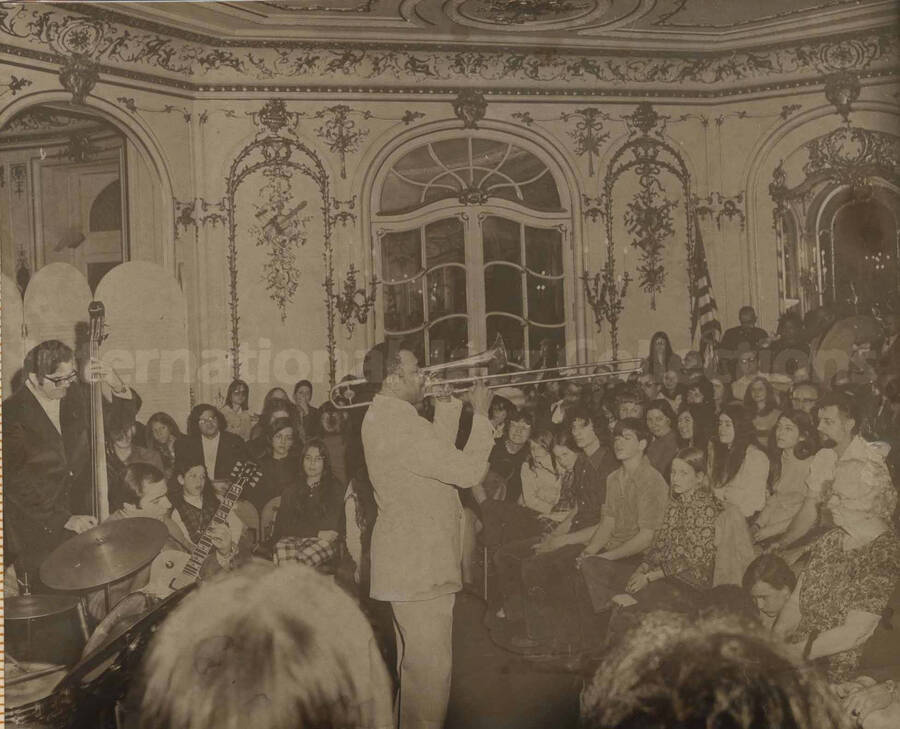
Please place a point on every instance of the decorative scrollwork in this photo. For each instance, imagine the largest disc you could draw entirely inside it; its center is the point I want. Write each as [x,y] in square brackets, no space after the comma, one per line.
[588,132]
[851,154]
[718,206]
[199,212]
[648,217]
[130,104]
[343,211]
[354,302]
[281,231]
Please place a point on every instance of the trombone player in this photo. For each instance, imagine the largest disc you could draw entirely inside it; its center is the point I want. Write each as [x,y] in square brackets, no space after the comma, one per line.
[416,549]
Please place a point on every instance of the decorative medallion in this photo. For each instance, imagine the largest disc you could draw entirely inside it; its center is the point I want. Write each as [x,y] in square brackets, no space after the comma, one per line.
[506,12]
[470,106]
[78,76]
[841,90]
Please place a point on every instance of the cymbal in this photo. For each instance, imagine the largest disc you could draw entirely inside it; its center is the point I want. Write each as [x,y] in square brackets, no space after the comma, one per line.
[104,554]
[26,607]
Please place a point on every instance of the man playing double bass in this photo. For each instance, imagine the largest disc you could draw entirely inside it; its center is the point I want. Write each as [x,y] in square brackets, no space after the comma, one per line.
[47,452]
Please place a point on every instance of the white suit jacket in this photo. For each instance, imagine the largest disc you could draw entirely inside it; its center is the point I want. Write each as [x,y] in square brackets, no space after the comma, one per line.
[415,468]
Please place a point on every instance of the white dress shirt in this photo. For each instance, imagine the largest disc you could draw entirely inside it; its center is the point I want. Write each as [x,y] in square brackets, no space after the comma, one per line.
[210,449]
[414,468]
[50,405]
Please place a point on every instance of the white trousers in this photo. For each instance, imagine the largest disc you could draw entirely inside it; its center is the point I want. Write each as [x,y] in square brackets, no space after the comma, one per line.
[424,632]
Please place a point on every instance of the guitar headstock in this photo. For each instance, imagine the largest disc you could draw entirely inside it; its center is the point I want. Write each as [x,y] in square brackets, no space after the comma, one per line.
[247,473]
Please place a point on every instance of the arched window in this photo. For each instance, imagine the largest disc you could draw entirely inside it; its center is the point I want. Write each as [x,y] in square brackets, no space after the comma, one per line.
[472,240]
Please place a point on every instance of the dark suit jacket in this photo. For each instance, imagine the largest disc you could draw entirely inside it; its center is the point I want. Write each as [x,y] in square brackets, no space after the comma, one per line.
[232,449]
[47,475]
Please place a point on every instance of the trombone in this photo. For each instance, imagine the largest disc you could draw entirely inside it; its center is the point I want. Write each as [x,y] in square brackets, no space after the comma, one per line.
[495,358]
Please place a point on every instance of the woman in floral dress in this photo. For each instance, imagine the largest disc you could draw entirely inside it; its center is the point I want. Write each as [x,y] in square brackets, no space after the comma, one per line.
[852,571]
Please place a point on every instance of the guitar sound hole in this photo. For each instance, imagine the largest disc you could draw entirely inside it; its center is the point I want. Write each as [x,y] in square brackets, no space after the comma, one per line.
[169,564]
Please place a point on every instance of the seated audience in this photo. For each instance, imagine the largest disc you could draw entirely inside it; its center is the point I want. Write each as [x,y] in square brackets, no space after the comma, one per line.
[507,457]
[146,494]
[664,440]
[761,402]
[276,408]
[542,568]
[672,671]
[240,653]
[332,425]
[309,415]
[498,413]
[238,417]
[681,558]
[789,352]
[280,466]
[634,509]
[275,399]
[121,451]
[541,479]
[672,390]
[573,393]
[194,504]
[794,442]
[739,469]
[164,433]
[721,393]
[745,336]
[661,358]
[852,570]
[208,442]
[649,386]
[310,515]
[804,395]
[769,581]
[695,426]
[839,421]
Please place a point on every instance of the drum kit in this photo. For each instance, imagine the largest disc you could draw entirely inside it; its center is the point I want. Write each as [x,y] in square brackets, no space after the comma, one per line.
[53,663]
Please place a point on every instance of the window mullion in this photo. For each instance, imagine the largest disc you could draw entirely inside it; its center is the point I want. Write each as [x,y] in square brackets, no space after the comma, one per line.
[426,313]
[476,295]
[526,356]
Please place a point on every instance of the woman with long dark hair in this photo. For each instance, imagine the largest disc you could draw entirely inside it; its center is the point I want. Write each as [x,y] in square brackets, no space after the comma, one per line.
[761,402]
[311,511]
[695,425]
[793,442]
[164,431]
[739,469]
[280,466]
[238,417]
[661,358]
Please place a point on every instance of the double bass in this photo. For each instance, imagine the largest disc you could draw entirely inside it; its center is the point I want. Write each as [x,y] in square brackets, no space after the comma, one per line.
[99,485]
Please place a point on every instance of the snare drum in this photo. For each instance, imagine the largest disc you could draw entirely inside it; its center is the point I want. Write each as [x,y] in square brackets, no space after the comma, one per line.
[34,702]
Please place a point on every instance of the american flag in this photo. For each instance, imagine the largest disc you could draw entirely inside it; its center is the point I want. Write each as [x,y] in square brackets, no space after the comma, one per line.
[703,307]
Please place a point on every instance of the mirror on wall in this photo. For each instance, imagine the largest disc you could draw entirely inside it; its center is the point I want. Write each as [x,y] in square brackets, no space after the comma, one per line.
[65,197]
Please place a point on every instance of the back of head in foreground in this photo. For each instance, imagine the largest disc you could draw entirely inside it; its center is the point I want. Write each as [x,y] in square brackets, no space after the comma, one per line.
[266,648]
[715,673]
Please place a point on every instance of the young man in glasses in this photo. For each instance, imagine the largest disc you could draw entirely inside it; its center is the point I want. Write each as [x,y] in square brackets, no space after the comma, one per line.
[47,454]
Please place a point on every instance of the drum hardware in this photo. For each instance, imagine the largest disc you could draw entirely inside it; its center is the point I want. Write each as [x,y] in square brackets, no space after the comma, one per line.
[103,555]
[50,628]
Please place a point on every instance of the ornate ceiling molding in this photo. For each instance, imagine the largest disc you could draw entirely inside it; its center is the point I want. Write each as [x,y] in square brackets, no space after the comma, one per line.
[54,32]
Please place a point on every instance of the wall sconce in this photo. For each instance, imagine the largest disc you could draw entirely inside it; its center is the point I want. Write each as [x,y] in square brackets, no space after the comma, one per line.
[606,294]
[353,302]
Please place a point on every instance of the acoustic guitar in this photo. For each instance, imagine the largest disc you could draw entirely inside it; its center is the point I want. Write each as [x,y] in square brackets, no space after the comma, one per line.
[171,570]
